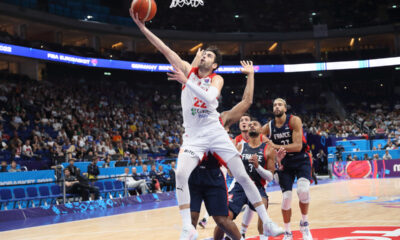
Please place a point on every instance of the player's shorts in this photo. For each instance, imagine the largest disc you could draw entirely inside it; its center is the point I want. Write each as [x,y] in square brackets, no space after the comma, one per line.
[208,185]
[300,168]
[238,198]
[215,140]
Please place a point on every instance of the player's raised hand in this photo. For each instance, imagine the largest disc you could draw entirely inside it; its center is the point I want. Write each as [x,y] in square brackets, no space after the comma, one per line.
[280,154]
[177,75]
[247,67]
[199,53]
[254,160]
[135,18]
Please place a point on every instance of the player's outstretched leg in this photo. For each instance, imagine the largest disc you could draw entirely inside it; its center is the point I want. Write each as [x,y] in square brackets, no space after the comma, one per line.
[186,164]
[238,171]
[247,216]
[303,191]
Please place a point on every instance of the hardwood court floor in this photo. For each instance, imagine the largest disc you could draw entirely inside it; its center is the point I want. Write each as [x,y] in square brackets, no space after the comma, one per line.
[361,202]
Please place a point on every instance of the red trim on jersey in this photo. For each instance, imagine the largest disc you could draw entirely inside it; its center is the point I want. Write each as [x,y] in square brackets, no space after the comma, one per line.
[290,127]
[220,160]
[220,120]
[309,155]
[265,154]
[226,187]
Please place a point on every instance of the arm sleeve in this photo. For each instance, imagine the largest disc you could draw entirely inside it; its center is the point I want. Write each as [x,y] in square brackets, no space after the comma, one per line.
[207,96]
[264,173]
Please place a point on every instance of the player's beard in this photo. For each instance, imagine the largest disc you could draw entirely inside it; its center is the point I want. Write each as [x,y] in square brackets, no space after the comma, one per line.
[253,134]
[278,114]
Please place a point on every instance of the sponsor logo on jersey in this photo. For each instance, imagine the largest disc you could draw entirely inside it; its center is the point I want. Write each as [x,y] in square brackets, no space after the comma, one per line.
[201,113]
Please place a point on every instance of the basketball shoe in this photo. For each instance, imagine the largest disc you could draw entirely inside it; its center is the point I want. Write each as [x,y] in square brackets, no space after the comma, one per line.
[271,229]
[203,223]
[288,236]
[305,231]
[189,233]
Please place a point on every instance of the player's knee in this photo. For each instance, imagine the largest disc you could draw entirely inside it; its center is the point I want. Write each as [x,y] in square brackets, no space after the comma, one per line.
[287,200]
[303,190]
[220,221]
[242,178]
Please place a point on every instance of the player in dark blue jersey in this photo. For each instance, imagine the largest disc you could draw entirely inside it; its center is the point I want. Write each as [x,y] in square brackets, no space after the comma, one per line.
[286,131]
[259,162]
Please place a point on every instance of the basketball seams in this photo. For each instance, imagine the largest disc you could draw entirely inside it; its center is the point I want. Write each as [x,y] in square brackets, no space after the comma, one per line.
[149,3]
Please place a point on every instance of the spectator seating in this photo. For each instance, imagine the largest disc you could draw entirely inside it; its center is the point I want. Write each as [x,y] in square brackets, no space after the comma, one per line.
[360,147]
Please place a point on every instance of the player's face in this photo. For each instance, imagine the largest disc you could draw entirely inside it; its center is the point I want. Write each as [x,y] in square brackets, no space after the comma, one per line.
[207,60]
[244,123]
[254,128]
[279,108]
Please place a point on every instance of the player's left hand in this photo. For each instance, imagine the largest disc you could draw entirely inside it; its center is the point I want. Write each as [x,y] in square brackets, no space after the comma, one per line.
[135,18]
[177,75]
[280,154]
[247,67]
[254,160]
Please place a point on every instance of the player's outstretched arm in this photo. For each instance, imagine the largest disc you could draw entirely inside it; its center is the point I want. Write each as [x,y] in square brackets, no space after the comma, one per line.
[207,96]
[171,56]
[232,116]
[297,137]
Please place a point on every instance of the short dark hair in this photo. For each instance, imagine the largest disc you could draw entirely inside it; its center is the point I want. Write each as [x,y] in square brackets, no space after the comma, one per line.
[246,114]
[218,55]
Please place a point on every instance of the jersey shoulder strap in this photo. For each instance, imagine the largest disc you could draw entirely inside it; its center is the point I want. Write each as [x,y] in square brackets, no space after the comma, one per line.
[270,129]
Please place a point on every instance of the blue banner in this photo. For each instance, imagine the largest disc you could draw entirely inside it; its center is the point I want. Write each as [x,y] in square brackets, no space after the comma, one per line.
[30,177]
[156,67]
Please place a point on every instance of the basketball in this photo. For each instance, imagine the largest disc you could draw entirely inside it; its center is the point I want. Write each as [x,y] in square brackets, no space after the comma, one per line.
[358,169]
[146,9]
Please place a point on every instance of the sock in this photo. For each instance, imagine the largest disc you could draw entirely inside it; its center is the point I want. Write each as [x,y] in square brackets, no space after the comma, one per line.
[247,216]
[304,218]
[243,230]
[262,237]
[262,213]
[287,227]
[241,238]
[186,219]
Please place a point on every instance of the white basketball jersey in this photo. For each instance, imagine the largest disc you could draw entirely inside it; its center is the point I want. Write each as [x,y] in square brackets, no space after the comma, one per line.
[196,113]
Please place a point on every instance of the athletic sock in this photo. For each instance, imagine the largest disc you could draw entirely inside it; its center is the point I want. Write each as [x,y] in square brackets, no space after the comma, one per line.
[262,213]
[304,218]
[243,230]
[186,219]
[287,227]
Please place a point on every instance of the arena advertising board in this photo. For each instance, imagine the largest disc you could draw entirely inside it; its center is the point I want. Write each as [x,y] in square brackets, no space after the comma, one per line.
[156,67]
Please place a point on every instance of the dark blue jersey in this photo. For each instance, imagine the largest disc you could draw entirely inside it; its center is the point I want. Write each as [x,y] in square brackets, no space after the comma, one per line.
[246,153]
[283,136]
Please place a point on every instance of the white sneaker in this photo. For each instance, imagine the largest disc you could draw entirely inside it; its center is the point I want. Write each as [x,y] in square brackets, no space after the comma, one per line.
[188,233]
[305,231]
[271,229]
[288,236]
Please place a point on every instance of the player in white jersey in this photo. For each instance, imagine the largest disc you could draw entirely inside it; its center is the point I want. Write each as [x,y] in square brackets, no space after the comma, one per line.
[203,130]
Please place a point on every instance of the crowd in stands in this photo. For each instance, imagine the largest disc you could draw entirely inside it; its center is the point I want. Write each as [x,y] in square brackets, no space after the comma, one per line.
[84,122]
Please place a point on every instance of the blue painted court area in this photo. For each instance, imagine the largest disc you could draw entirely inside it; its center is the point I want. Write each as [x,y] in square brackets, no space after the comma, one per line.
[39,221]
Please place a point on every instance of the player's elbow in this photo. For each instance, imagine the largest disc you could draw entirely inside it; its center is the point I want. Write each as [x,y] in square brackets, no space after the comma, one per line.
[299,146]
